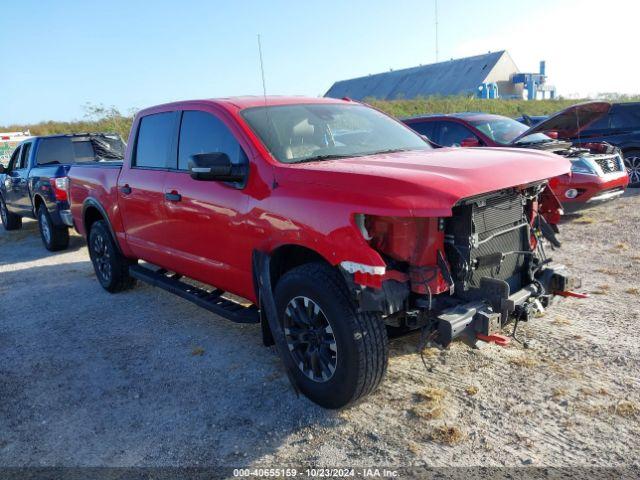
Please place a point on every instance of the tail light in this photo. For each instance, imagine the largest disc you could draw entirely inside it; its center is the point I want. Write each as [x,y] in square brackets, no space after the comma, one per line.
[60,187]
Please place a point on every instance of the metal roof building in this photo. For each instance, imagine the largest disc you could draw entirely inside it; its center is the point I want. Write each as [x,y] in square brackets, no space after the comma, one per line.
[454,77]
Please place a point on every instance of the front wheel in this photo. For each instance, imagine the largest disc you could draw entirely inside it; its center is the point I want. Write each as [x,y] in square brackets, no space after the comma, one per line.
[53,236]
[632,164]
[337,355]
[10,221]
[111,267]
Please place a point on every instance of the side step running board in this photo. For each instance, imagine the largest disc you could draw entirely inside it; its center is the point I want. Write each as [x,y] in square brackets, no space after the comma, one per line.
[211,300]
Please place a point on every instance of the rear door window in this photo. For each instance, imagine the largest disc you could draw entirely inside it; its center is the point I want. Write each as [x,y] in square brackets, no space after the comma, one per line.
[24,155]
[14,163]
[202,132]
[155,145]
[452,134]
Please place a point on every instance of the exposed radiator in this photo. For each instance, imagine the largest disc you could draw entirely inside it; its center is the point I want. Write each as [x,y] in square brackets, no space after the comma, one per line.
[479,233]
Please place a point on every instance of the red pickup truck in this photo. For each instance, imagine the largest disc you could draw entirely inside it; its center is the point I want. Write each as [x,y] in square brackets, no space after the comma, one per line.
[328,222]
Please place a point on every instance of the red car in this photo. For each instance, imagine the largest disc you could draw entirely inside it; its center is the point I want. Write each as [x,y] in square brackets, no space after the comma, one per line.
[597,170]
[331,220]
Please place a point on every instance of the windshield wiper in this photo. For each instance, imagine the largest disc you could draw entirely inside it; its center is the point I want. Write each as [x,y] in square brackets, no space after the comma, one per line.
[322,157]
[350,155]
[537,142]
[391,150]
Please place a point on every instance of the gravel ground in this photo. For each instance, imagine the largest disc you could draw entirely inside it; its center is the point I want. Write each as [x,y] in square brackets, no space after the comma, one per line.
[144,378]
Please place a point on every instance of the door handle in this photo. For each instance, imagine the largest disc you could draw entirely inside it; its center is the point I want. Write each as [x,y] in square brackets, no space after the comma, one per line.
[173,196]
[126,189]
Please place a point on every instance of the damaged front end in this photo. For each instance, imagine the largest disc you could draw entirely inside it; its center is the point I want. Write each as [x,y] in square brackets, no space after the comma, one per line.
[464,276]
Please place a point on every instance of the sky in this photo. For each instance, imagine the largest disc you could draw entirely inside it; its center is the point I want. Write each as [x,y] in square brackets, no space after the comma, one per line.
[59,55]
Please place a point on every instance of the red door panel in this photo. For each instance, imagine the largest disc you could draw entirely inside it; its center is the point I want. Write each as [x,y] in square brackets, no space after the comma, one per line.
[203,238]
[141,199]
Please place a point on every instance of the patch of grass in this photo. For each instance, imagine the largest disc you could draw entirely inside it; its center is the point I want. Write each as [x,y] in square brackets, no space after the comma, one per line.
[626,409]
[560,320]
[621,246]
[430,395]
[428,403]
[471,390]
[585,220]
[414,448]
[524,361]
[559,392]
[447,435]
[427,411]
[633,291]
[430,352]
[602,290]
[197,351]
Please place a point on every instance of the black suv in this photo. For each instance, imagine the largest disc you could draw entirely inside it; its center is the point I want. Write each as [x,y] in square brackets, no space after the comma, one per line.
[621,127]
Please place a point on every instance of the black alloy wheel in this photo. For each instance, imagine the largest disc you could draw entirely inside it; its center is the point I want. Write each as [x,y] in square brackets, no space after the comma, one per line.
[310,339]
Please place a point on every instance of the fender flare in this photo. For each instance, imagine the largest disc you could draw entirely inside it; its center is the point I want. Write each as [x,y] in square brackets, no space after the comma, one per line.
[91,202]
[271,328]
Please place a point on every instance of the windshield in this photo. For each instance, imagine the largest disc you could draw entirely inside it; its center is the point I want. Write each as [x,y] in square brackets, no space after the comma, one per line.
[314,132]
[504,130]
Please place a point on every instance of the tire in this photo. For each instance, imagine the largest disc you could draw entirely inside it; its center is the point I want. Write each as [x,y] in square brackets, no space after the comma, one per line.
[351,348]
[10,221]
[632,164]
[110,266]
[54,237]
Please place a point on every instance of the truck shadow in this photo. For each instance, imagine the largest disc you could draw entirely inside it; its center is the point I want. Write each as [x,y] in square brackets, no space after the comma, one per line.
[138,378]
[25,245]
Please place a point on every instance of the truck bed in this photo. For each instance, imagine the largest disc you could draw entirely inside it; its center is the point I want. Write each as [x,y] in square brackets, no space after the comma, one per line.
[94,181]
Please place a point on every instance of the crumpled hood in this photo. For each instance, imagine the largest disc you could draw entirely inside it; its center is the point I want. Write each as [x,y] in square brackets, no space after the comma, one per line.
[570,121]
[426,182]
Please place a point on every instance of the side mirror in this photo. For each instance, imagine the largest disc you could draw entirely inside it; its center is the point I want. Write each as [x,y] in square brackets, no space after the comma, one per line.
[215,166]
[470,142]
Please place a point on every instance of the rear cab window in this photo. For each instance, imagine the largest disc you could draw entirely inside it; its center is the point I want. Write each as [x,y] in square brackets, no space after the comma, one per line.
[79,149]
[155,146]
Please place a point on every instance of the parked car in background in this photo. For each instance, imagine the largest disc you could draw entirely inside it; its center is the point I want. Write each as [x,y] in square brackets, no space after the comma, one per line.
[35,182]
[8,143]
[620,127]
[531,120]
[597,171]
[330,239]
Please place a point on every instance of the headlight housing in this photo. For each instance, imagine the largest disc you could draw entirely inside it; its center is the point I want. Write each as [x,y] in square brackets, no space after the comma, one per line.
[582,165]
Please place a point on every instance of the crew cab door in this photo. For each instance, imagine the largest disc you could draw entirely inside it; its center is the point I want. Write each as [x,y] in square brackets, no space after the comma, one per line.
[204,232]
[16,185]
[140,185]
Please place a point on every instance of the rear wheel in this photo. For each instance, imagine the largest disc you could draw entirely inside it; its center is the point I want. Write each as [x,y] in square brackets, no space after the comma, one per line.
[111,267]
[10,221]
[337,355]
[632,164]
[53,236]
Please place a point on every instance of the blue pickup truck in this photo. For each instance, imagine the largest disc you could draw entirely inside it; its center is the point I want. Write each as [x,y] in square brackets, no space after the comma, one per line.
[35,183]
